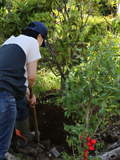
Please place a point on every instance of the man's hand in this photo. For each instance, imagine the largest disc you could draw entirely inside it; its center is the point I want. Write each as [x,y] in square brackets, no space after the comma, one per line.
[31,101]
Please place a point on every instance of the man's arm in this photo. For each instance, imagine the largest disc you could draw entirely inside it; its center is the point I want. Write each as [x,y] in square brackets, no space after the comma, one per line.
[32,68]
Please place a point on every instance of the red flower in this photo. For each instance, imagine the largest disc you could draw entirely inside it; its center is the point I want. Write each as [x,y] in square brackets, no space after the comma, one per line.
[90,143]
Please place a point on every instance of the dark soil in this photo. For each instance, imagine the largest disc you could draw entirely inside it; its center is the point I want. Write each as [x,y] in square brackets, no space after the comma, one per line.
[53,136]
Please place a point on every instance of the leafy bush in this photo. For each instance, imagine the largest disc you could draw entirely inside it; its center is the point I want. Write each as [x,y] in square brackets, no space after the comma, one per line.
[15,15]
[92,93]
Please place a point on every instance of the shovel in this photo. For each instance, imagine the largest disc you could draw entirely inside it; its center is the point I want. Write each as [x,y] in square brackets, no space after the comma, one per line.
[35,119]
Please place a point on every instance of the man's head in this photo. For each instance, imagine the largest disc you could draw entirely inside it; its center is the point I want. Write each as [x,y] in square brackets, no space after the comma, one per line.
[37,30]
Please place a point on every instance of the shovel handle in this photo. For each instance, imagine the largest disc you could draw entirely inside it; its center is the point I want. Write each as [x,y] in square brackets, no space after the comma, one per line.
[31,92]
[35,118]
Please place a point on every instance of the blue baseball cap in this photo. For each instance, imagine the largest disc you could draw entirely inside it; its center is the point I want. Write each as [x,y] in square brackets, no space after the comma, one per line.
[40,28]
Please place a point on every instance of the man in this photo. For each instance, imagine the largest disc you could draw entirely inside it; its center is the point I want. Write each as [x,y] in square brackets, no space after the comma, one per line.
[18,64]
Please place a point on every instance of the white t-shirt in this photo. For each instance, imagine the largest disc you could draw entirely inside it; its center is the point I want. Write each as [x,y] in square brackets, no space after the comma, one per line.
[15,53]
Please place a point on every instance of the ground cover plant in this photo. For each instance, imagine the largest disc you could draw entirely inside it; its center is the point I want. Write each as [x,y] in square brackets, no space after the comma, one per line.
[45,81]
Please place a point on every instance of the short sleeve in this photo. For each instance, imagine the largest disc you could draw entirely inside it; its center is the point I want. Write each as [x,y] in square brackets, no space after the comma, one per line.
[33,52]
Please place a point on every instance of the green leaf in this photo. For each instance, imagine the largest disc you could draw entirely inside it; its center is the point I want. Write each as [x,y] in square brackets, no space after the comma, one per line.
[113,106]
[108,110]
[69,142]
[111,97]
[103,104]
[66,127]
[59,58]
[95,101]
[103,111]
[79,147]
[75,139]
[117,69]
[77,49]
[106,122]
[118,111]
[112,43]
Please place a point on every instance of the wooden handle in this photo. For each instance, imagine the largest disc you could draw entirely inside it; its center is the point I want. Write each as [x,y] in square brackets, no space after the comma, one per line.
[31,92]
[35,118]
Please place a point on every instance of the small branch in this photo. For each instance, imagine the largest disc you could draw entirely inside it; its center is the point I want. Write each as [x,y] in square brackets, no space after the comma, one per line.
[86,19]
[59,17]
[87,117]
[107,21]
[79,6]
[106,77]
[81,70]
[88,112]
[52,70]
[73,150]
[67,71]
[99,64]
[92,109]
[60,70]
[102,131]
[50,50]
[81,12]
[76,40]
[90,87]
[98,125]
[88,108]
[83,108]
[63,15]
[89,13]
[83,100]
[90,102]
[66,10]
[104,16]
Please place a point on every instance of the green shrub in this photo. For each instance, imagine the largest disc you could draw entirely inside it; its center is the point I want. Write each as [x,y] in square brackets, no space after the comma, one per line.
[92,93]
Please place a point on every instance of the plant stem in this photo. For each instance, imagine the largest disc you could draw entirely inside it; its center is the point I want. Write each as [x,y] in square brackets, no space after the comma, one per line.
[73,150]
